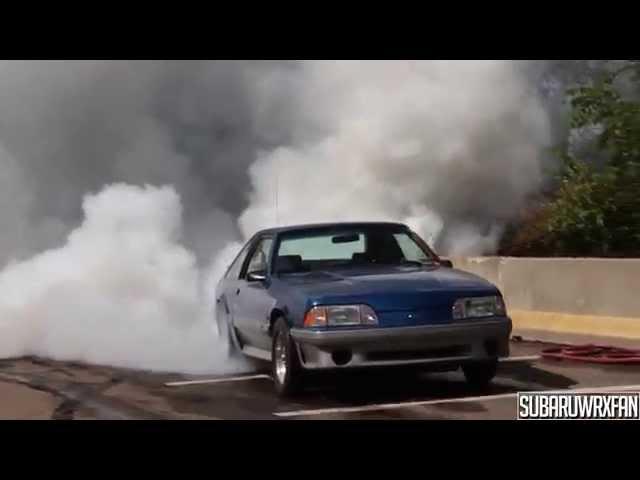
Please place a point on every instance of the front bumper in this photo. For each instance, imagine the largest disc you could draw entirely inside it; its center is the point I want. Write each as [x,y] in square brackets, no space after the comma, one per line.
[450,344]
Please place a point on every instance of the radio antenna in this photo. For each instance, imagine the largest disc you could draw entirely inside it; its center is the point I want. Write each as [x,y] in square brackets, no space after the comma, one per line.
[276,198]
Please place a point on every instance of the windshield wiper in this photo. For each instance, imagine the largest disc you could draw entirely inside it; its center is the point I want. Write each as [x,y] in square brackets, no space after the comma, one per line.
[416,263]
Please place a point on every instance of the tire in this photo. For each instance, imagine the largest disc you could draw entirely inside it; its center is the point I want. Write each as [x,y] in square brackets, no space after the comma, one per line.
[480,374]
[285,365]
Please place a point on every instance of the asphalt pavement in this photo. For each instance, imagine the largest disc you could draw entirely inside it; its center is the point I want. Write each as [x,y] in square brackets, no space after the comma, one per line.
[44,389]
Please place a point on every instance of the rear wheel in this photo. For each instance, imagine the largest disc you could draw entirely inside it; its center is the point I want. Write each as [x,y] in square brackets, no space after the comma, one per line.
[480,374]
[285,365]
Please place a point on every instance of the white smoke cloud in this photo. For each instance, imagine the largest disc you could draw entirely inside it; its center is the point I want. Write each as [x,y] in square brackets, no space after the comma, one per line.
[452,148]
[122,291]
[444,146]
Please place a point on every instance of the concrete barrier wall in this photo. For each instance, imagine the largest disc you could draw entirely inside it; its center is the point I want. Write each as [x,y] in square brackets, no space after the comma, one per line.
[580,295]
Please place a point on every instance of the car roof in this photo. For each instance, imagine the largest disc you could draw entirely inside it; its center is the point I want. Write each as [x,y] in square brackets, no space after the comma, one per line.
[314,226]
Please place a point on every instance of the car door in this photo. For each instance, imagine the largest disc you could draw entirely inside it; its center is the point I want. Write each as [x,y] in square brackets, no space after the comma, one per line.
[226,290]
[253,303]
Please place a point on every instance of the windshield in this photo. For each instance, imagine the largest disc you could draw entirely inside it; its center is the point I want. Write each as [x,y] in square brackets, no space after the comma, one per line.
[339,248]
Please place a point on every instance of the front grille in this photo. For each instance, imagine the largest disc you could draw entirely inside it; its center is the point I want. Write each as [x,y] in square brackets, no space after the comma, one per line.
[457,351]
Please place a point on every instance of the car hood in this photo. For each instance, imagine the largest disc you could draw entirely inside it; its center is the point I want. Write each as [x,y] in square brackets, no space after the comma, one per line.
[390,288]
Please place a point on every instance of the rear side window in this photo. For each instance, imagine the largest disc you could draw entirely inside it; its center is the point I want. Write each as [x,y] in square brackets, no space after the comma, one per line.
[324,247]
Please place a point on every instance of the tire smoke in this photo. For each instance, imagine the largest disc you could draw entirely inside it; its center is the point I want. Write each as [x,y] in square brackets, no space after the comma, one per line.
[127,187]
[121,291]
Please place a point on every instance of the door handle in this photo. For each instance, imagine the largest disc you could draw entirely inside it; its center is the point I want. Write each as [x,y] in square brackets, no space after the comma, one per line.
[238,292]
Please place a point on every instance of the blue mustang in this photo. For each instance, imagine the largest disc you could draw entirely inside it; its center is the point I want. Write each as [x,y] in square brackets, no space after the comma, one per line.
[345,295]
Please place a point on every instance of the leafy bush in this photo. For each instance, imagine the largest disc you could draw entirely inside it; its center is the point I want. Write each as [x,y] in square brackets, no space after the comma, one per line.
[595,210]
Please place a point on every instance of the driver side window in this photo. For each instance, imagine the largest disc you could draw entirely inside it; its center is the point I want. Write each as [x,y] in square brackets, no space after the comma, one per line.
[259,260]
[233,272]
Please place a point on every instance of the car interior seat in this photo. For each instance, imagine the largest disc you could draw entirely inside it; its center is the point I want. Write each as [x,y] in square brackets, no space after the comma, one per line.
[288,264]
[360,257]
[384,249]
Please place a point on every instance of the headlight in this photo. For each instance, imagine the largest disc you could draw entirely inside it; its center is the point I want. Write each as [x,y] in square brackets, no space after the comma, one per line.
[477,307]
[338,315]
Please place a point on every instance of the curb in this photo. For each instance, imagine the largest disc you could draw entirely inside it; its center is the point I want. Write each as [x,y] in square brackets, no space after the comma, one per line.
[592,325]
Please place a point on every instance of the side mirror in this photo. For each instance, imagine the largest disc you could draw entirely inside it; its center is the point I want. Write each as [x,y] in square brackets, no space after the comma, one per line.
[257,276]
[446,263]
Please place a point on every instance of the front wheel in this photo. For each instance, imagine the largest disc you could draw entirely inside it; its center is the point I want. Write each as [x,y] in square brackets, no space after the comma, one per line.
[285,366]
[480,374]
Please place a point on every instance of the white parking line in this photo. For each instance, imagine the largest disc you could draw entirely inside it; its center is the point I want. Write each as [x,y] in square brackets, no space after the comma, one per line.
[216,380]
[524,358]
[388,406]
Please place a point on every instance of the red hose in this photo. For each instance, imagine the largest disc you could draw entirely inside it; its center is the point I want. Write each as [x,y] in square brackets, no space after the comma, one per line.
[593,354]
